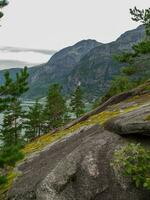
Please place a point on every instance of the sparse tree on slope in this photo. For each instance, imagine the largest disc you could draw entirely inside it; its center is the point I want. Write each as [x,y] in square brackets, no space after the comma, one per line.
[142,16]
[10,133]
[3,3]
[133,74]
[10,103]
[34,121]
[77,103]
[55,107]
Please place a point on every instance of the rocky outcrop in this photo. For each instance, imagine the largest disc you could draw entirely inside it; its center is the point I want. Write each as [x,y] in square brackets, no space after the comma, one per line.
[134,122]
[76,168]
[86,174]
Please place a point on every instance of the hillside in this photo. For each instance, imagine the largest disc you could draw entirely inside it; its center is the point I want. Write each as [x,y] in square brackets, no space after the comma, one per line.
[75,162]
[94,67]
[88,62]
[58,67]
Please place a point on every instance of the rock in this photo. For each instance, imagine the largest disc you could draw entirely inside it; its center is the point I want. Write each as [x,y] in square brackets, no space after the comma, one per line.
[77,168]
[131,123]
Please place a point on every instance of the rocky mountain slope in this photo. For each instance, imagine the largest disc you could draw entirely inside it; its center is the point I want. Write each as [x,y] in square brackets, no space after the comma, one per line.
[88,62]
[94,67]
[58,67]
[74,163]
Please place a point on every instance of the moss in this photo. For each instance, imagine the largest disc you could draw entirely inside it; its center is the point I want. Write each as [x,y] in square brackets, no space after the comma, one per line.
[147,118]
[10,178]
[99,118]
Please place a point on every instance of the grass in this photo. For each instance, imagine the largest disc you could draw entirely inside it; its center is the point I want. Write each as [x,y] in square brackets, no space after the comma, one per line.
[147,118]
[4,188]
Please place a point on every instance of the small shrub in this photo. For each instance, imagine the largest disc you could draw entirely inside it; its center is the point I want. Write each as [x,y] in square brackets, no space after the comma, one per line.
[10,155]
[3,180]
[134,162]
[129,70]
[147,118]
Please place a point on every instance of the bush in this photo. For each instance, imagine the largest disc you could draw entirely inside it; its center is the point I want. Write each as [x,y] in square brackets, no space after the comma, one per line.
[134,162]
[3,180]
[118,85]
[10,155]
[129,71]
[142,47]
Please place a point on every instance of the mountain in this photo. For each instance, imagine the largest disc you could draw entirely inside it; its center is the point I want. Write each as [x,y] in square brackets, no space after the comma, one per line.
[58,67]
[89,62]
[79,162]
[96,69]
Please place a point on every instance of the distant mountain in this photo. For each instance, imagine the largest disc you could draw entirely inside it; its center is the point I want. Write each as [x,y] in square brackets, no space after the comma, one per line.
[89,62]
[58,67]
[96,69]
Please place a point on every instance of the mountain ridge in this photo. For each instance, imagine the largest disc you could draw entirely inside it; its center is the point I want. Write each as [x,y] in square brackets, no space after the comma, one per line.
[88,62]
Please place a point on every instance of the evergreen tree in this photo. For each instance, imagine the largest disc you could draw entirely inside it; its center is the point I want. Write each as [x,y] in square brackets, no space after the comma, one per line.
[133,74]
[34,122]
[77,104]
[10,133]
[3,3]
[11,91]
[142,16]
[55,108]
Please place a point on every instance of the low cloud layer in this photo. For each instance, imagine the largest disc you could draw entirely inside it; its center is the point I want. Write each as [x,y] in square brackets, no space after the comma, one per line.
[13,57]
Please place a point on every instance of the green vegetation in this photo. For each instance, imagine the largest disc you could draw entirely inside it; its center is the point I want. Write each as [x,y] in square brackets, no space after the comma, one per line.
[77,103]
[3,3]
[132,74]
[34,121]
[55,108]
[134,161]
[10,132]
[100,118]
[142,16]
[147,118]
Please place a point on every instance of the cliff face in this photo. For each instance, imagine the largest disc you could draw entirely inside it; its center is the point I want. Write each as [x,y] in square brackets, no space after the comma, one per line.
[75,163]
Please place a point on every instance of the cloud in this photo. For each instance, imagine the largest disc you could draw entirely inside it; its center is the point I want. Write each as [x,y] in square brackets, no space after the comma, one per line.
[7,64]
[17,49]
[14,57]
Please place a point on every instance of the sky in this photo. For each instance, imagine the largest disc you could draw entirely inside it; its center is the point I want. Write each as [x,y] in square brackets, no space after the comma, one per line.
[55,24]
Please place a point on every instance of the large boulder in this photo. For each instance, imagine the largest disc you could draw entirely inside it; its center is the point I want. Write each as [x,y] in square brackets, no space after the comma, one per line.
[135,122]
[77,167]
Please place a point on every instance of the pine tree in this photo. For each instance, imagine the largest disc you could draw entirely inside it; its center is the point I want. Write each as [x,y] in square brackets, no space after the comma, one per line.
[34,122]
[133,74]
[3,3]
[77,103]
[55,108]
[10,103]
[142,16]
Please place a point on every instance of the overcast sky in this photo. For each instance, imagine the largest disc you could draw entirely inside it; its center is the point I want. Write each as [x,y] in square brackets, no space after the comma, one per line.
[55,24]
